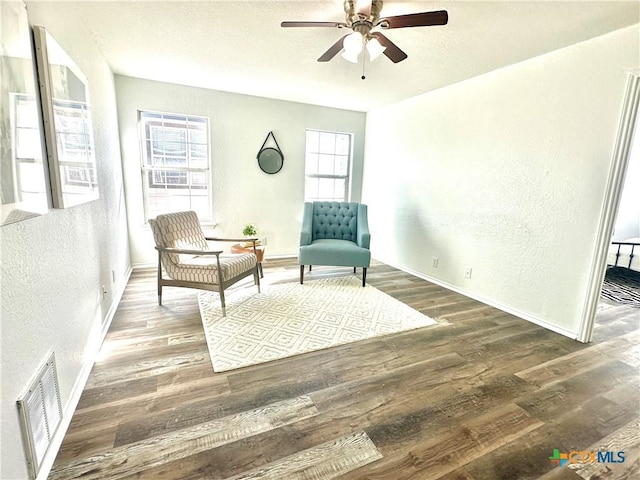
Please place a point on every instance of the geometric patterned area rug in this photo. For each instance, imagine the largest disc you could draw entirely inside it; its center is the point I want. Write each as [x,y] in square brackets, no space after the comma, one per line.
[622,285]
[289,319]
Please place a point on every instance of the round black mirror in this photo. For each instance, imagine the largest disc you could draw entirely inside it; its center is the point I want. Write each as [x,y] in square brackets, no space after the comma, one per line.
[270,160]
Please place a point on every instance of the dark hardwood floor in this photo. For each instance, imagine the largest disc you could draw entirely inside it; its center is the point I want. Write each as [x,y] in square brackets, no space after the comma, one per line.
[486,396]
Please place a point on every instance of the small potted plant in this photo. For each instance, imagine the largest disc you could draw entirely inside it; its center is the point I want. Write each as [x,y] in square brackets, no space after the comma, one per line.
[250,231]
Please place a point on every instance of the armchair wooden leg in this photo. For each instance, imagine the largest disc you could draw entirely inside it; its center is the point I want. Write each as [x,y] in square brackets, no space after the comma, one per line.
[301,274]
[222,303]
[256,278]
[364,276]
[354,269]
[159,279]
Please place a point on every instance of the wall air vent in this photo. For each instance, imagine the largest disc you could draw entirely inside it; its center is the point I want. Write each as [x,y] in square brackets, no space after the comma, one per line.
[40,413]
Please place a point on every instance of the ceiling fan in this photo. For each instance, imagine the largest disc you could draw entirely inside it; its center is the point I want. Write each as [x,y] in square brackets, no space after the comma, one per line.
[363,17]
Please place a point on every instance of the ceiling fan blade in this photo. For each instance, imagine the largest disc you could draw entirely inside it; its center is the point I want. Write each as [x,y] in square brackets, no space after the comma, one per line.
[392,51]
[424,19]
[333,51]
[313,24]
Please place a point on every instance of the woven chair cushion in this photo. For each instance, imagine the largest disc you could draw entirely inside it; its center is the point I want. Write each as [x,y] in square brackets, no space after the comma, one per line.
[204,269]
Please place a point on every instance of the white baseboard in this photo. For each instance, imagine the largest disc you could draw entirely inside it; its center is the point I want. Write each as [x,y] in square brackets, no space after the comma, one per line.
[114,306]
[81,381]
[280,256]
[488,301]
[140,266]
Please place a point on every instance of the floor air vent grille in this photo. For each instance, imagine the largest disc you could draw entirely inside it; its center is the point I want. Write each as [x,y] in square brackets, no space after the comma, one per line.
[40,412]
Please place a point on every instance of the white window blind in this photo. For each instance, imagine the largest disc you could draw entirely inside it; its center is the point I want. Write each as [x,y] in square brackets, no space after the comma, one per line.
[175,164]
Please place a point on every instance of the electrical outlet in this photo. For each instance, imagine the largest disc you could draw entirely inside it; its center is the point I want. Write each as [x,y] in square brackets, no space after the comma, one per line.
[104,291]
[467,272]
[434,262]
[113,276]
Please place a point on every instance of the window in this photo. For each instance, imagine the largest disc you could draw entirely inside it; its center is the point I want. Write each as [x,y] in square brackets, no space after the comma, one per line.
[175,164]
[327,165]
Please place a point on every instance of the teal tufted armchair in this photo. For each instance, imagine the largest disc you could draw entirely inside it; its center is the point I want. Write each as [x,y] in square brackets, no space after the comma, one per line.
[335,233]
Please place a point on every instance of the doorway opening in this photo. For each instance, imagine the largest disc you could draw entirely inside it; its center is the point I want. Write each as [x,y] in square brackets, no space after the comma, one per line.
[613,197]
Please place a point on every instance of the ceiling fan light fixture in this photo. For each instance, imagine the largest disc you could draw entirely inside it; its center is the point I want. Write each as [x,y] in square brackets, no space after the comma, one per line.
[352,43]
[350,57]
[375,48]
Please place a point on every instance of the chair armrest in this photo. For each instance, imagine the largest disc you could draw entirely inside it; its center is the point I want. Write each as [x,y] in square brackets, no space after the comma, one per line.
[188,251]
[363,237]
[243,239]
[306,232]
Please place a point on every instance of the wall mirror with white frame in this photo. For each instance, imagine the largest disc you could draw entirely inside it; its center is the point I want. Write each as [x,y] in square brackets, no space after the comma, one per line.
[68,127]
[24,190]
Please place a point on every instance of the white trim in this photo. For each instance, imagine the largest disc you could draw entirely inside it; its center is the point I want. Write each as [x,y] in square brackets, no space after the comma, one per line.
[81,381]
[280,256]
[141,266]
[613,193]
[114,306]
[487,301]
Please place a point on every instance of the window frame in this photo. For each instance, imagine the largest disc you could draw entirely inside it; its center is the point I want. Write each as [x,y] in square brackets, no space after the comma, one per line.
[346,177]
[153,120]
[75,148]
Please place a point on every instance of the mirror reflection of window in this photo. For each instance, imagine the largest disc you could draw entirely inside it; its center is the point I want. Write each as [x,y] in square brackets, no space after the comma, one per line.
[23,187]
[28,168]
[75,145]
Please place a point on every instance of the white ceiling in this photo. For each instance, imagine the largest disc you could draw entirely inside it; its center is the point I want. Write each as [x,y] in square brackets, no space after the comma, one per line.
[239,46]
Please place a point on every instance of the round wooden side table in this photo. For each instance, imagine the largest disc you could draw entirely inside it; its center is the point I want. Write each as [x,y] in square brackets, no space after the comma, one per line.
[239,248]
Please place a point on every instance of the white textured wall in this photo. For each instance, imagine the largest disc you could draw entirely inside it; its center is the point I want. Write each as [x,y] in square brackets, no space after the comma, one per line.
[242,193]
[53,266]
[504,173]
